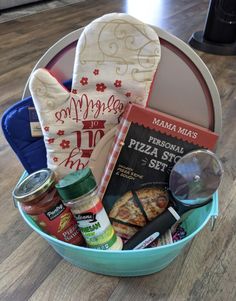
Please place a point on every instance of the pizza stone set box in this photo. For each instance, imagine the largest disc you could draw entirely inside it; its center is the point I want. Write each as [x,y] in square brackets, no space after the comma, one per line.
[147,144]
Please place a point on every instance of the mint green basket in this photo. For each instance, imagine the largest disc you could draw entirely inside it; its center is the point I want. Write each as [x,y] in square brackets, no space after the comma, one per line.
[134,262]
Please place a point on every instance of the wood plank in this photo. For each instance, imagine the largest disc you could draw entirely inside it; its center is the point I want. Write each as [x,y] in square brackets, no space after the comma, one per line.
[26,267]
[153,287]
[209,270]
[68,282]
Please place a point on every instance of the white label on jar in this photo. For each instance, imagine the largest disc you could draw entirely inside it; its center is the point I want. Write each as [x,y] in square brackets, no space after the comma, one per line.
[96,229]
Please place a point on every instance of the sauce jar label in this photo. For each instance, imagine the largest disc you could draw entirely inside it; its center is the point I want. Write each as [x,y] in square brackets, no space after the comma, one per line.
[96,228]
[60,222]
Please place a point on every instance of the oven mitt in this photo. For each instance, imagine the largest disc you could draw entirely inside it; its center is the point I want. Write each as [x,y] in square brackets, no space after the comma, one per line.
[115,63]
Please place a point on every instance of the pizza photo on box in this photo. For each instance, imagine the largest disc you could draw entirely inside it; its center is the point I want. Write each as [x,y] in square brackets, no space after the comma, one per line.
[136,208]
[147,144]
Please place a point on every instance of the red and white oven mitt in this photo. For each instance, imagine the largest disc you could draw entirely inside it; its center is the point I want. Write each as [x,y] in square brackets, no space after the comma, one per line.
[115,63]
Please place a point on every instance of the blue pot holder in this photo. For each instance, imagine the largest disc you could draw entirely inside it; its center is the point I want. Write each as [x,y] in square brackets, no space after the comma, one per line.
[15,123]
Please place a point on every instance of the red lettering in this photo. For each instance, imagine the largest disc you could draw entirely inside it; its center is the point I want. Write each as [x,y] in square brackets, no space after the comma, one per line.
[99,133]
[78,140]
[86,153]
[83,107]
[93,124]
[90,138]
[72,162]
[67,112]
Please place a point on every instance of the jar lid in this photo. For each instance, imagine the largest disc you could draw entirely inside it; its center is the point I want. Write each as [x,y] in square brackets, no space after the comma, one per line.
[34,185]
[76,184]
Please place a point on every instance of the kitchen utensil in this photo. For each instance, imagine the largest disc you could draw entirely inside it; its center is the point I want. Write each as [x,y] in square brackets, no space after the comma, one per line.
[193,180]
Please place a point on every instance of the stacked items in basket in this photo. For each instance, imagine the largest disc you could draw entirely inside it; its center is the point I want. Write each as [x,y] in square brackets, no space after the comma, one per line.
[86,199]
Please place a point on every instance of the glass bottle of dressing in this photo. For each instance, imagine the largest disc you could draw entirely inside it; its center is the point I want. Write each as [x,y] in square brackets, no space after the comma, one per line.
[78,191]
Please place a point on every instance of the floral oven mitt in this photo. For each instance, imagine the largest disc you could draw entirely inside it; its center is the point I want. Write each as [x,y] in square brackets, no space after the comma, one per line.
[115,63]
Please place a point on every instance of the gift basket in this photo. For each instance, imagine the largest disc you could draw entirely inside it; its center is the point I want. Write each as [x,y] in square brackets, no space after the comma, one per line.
[103,149]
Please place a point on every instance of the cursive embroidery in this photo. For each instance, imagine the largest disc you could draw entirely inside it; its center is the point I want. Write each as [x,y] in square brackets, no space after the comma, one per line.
[73,161]
[83,107]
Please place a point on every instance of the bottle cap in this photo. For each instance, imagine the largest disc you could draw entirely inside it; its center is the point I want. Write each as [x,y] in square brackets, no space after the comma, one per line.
[76,184]
[34,185]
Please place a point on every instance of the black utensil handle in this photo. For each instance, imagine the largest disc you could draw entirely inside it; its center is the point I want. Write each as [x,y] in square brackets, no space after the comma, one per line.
[152,230]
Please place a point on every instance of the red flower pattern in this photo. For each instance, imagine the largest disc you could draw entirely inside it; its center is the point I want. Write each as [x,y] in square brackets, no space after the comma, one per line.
[55,159]
[60,133]
[84,81]
[95,71]
[74,91]
[46,128]
[65,144]
[100,87]
[51,140]
[117,83]
[128,94]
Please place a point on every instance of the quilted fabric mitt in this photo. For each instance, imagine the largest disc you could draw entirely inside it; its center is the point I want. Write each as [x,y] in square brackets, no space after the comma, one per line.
[115,63]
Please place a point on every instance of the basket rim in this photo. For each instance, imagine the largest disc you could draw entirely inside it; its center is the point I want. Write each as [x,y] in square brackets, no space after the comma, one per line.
[56,241]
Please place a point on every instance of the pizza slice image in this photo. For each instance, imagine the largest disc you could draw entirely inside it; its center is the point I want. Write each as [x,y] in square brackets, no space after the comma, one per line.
[137,208]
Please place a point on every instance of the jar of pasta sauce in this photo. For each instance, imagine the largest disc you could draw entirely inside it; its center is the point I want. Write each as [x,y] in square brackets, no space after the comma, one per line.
[39,198]
[78,191]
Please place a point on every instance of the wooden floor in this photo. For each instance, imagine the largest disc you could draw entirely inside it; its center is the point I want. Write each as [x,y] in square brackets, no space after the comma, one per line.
[29,268]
